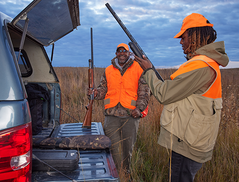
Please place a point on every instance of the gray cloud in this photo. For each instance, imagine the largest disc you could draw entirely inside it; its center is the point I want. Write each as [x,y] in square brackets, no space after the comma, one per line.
[152,23]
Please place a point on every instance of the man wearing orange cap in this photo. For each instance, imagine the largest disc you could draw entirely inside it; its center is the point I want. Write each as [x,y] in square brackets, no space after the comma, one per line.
[125,95]
[192,98]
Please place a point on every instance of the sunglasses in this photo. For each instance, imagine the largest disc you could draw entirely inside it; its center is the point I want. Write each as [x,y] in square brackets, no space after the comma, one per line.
[120,51]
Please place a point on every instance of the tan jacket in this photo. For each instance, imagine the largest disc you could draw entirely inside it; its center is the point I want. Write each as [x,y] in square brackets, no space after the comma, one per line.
[188,118]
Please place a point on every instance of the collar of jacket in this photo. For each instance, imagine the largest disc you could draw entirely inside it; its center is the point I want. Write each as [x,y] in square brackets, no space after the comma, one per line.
[124,67]
[215,51]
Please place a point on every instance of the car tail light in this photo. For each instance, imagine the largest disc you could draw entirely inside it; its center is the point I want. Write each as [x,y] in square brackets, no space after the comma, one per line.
[15,154]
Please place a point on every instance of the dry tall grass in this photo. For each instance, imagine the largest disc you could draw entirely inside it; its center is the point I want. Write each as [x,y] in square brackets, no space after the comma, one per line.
[149,160]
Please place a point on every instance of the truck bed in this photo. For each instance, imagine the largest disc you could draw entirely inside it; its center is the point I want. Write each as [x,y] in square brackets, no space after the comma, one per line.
[93,165]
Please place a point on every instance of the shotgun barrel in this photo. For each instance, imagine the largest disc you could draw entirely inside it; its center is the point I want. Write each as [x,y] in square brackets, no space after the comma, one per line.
[88,116]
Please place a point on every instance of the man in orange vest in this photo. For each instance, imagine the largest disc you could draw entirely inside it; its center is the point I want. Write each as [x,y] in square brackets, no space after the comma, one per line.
[125,95]
[192,99]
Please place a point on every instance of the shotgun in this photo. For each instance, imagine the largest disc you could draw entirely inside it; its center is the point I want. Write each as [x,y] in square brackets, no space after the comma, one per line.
[134,46]
[88,116]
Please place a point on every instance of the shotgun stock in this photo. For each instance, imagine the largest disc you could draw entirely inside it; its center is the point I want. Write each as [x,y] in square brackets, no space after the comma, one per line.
[134,46]
[88,116]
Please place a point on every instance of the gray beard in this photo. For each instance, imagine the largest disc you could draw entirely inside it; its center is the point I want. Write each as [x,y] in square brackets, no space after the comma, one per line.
[131,56]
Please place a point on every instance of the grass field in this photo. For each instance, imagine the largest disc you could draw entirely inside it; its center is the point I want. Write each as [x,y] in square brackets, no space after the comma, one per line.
[149,160]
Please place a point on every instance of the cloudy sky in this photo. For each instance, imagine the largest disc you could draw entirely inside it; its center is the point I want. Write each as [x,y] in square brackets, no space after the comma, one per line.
[152,23]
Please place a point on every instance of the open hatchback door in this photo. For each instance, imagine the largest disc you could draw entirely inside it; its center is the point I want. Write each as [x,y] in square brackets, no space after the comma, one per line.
[48,20]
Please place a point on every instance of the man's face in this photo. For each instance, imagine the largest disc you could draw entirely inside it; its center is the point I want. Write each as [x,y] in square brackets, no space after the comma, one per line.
[185,42]
[122,54]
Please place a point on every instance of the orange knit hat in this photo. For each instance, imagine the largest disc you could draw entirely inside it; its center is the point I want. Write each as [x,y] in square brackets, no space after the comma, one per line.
[191,21]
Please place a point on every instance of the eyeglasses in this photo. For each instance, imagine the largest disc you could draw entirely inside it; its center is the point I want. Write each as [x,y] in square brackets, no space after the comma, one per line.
[120,51]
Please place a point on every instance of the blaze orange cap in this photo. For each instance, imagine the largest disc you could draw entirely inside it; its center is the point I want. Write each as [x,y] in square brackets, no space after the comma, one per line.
[191,21]
[124,46]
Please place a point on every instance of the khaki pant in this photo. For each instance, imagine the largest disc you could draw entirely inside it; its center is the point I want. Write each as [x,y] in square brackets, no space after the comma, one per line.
[122,133]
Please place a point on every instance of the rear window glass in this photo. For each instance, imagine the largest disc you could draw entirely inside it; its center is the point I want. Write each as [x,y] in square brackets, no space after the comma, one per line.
[48,20]
[23,62]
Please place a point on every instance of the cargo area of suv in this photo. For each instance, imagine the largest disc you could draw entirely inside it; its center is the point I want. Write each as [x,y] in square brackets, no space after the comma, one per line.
[34,146]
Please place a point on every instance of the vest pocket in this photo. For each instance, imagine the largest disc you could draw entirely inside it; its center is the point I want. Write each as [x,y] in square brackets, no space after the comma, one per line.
[201,131]
[132,93]
[109,100]
[168,114]
[110,93]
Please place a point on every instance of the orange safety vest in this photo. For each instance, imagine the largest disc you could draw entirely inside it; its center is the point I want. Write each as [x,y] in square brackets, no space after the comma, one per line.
[122,88]
[197,62]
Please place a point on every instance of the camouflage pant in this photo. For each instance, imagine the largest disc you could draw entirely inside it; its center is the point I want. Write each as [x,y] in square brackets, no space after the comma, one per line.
[122,133]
